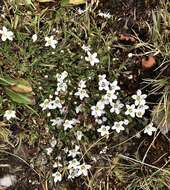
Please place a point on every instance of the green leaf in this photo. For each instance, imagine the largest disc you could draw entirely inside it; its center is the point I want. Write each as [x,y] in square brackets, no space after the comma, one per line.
[20,98]
[22,86]
[6,81]
[76,2]
[45,1]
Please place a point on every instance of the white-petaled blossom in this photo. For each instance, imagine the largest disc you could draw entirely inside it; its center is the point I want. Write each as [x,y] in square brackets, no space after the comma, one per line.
[73,172]
[81,11]
[53,104]
[57,165]
[49,151]
[103,83]
[126,122]
[140,110]
[61,87]
[57,176]
[58,121]
[139,98]
[79,135]
[9,114]
[86,48]
[62,76]
[131,110]
[73,163]
[53,142]
[83,169]
[114,85]
[116,107]
[68,124]
[92,58]
[82,93]
[98,110]
[74,152]
[104,130]
[149,129]
[34,37]
[7,181]
[82,84]
[105,15]
[6,34]
[118,126]
[79,108]
[50,42]
[109,96]
[45,104]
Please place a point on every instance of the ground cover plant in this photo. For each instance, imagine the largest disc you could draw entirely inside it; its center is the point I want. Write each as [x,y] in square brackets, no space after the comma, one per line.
[84,95]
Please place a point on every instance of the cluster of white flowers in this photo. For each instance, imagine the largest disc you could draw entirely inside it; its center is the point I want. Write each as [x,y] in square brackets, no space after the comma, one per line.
[51,103]
[139,107]
[6,34]
[61,82]
[50,149]
[108,98]
[82,93]
[76,169]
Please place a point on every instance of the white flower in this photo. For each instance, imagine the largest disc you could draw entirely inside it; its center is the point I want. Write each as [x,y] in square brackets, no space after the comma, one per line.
[104,150]
[53,142]
[61,87]
[82,93]
[109,96]
[86,48]
[45,104]
[7,181]
[62,76]
[74,152]
[55,104]
[58,121]
[131,110]
[139,98]
[82,84]
[140,110]
[103,83]
[57,176]
[9,114]
[50,42]
[105,15]
[73,163]
[34,37]
[116,107]
[126,122]
[80,11]
[57,165]
[149,129]
[98,110]
[73,172]
[79,135]
[68,124]
[83,169]
[114,85]
[118,126]
[6,34]
[92,58]
[104,130]
[49,151]
[79,108]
